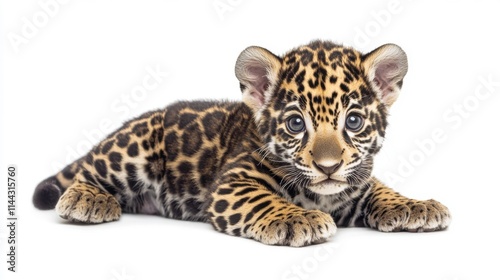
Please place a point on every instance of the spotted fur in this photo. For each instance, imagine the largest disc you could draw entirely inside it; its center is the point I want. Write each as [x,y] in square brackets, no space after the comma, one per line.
[286,166]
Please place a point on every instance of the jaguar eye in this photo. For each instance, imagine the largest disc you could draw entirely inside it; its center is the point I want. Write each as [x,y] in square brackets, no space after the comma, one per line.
[295,124]
[354,122]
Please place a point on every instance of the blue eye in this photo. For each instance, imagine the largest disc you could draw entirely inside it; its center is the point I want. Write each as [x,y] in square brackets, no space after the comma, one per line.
[354,122]
[295,124]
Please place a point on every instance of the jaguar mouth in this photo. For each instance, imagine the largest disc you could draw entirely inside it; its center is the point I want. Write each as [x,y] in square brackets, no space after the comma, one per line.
[328,186]
[331,181]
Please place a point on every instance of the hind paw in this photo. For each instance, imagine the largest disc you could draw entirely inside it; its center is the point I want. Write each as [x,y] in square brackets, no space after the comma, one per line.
[88,204]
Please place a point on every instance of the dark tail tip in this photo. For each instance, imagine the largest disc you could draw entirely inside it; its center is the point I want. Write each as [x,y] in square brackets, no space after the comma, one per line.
[47,194]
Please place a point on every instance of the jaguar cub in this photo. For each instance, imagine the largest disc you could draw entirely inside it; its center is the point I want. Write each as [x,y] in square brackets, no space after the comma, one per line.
[286,166]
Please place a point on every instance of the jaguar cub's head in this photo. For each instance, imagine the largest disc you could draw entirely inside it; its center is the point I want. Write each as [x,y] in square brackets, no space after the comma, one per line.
[321,109]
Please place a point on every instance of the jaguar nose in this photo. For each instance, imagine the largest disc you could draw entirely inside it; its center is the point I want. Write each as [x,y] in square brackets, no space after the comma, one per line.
[328,169]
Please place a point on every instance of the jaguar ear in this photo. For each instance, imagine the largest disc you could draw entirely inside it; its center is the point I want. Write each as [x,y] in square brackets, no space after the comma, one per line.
[257,70]
[385,68]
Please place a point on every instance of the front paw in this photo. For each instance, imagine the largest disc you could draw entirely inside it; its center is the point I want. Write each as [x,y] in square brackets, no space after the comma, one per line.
[298,229]
[414,216]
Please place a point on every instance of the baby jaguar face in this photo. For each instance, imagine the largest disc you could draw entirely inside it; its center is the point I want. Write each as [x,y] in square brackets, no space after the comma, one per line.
[322,109]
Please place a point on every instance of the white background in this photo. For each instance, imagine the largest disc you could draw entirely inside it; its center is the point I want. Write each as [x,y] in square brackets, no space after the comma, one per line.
[68,78]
